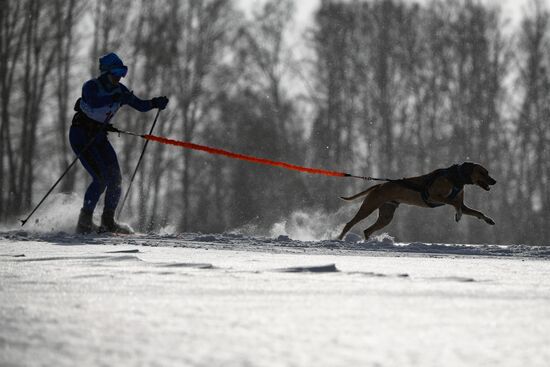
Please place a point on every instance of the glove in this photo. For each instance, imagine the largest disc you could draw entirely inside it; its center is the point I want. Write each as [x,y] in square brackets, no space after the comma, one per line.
[159,102]
[123,98]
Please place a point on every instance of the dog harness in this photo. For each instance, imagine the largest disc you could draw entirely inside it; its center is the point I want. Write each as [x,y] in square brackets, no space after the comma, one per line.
[457,174]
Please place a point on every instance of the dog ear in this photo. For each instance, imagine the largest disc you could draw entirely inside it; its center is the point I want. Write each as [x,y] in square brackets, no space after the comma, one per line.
[467,168]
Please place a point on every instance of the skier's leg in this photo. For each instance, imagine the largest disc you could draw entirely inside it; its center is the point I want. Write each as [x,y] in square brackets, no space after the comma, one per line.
[112,194]
[92,161]
[113,177]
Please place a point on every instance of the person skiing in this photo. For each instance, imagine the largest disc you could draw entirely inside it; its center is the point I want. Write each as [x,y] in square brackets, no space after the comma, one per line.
[101,99]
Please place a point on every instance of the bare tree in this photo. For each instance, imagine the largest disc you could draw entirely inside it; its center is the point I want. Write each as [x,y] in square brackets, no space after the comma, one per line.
[11,48]
[67,13]
[532,124]
[196,41]
[38,61]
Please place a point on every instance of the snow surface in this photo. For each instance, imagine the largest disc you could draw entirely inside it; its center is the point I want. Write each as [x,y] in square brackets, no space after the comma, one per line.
[235,300]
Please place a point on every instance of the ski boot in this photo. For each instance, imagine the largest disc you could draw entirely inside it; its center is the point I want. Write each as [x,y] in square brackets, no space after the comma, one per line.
[86,223]
[108,223]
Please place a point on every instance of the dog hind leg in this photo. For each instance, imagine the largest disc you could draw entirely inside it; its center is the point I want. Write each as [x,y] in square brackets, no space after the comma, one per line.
[365,210]
[350,224]
[385,216]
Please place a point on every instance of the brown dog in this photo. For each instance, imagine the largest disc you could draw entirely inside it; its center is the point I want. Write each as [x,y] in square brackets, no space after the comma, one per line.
[440,187]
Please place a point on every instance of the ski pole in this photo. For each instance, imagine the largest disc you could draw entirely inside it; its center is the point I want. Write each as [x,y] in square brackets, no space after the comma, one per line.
[105,128]
[137,165]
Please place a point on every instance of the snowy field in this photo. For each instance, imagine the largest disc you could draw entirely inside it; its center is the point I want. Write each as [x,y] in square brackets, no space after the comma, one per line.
[232,300]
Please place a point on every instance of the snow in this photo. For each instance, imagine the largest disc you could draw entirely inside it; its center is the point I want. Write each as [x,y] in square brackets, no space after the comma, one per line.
[235,300]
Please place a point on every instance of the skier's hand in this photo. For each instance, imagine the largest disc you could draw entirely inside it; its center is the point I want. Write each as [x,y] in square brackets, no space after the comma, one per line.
[159,102]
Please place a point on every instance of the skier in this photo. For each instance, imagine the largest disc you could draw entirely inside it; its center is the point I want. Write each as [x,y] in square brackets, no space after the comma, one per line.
[101,99]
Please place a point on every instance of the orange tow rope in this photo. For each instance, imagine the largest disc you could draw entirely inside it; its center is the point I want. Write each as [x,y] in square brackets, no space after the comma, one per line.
[248,158]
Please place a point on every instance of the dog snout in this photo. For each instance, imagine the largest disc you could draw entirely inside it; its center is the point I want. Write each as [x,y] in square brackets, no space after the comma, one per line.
[492,181]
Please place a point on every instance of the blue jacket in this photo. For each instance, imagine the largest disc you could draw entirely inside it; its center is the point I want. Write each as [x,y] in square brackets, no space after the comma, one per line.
[98,99]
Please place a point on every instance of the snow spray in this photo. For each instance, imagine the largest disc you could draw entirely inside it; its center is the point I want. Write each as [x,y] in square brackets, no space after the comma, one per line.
[57,216]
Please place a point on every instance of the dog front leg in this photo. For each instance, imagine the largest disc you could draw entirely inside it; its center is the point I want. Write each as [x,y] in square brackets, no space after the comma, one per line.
[477,214]
[456,203]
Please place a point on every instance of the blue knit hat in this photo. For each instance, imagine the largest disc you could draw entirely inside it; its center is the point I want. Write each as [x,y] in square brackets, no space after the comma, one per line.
[112,64]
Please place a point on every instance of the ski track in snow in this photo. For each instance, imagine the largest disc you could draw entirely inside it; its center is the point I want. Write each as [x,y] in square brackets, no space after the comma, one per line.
[232,300]
[283,244]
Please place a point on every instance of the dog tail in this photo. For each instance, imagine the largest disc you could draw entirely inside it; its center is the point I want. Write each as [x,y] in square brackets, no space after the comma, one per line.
[361,194]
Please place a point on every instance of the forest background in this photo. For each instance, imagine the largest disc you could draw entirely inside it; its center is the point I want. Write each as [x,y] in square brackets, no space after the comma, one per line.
[377,87]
